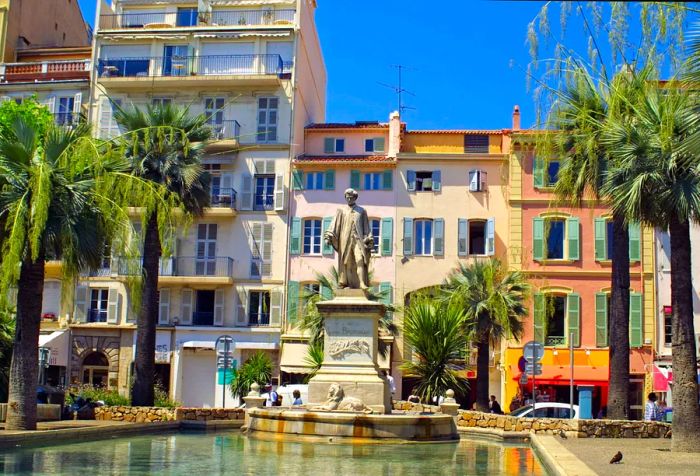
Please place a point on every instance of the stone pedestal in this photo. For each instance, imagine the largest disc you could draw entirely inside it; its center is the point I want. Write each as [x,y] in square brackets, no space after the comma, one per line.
[350,345]
[252,400]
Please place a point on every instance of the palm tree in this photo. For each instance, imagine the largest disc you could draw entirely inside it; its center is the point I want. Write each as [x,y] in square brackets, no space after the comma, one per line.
[164,146]
[57,200]
[579,116]
[656,180]
[7,332]
[493,301]
[437,332]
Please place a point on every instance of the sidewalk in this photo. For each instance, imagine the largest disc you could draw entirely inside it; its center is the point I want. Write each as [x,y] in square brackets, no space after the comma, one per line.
[62,425]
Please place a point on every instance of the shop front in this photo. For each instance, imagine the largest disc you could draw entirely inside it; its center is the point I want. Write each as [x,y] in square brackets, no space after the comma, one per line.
[58,343]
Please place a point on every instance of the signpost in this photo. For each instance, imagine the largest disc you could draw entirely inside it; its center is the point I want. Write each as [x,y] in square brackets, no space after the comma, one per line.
[533,352]
[224,356]
[44,359]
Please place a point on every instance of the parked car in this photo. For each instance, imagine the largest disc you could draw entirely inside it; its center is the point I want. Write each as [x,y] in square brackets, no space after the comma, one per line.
[547,410]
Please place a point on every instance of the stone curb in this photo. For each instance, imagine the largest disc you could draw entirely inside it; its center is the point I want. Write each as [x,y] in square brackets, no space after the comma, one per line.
[557,460]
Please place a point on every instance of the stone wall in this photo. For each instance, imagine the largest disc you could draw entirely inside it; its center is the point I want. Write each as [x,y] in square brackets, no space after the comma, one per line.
[150,414]
[576,428]
[404,406]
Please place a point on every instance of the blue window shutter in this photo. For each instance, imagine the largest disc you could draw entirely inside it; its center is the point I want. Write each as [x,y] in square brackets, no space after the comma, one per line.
[437,181]
[634,246]
[439,236]
[387,236]
[573,238]
[355,179]
[298,180]
[407,236]
[387,180]
[329,180]
[295,239]
[411,180]
[462,227]
[538,239]
[329,145]
[369,145]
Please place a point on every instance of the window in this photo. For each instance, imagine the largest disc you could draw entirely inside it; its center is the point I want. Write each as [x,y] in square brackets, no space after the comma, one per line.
[214,112]
[477,237]
[545,172]
[556,320]
[186,17]
[314,180]
[264,192]
[552,173]
[308,291]
[423,237]
[424,181]
[375,226]
[374,145]
[206,249]
[267,119]
[312,237]
[477,181]
[64,116]
[109,127]
[608,239]
[333,145]
[261,249]
[383,180]
[604,232]
[259,308]
[668,332]
[555,239]
[98,305]
[161,102]
[476,144]
[373,181]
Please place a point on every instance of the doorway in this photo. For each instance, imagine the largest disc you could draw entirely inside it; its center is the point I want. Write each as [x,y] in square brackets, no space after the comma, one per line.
[95,370]
[204,313]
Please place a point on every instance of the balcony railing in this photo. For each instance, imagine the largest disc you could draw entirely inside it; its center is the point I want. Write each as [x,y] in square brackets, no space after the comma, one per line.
[186,18]
[555,341]
[67,119]
[202,318]
[259,320]
[223,198]
[181,66]
[226,130]
[218,266]
[97,315]
[45,71]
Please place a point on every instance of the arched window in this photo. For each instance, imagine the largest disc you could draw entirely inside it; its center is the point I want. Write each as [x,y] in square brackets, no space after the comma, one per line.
[95,369]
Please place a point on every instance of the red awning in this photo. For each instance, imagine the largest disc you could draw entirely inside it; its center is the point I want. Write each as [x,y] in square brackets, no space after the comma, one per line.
[560,374]
[661,380]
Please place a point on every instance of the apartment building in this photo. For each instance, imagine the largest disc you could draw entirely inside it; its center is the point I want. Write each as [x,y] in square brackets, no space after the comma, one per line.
[255,69]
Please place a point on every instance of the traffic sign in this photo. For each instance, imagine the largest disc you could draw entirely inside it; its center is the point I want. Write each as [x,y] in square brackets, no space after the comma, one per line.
[225,346]
[533,351]
[530,366]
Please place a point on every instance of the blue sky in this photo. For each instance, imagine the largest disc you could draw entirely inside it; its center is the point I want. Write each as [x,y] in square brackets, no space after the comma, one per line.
[467,59]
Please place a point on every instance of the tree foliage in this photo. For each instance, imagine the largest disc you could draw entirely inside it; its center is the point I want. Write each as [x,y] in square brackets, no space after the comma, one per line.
[257,369]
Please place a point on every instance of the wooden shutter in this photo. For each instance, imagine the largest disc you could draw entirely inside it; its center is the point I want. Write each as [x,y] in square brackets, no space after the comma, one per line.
[538,239]
[491,236]
[439,236]
[325,292]
[387,236]
[634,244]
[474,181]
[280,193]
[295,238]
[104,123]
[327,249]
[241,304]
[219,307]
[112,304]
[246,192]
[275,308]
[256,250]
[407,236]
[600,231]
[540,306]
[186,306]
[437,181]
[573,307]
[297,180]
[601,320]
[329,145]
[462,229]
[329,180]
[355,179]
[81,303]
[388,180]
[411,180]
[267,230]
[538,172]
[386,293]
[50,102]
[378,144]
[292,302]
[226,185]
[574,242]
[77,104]
[636,321]
[164,306]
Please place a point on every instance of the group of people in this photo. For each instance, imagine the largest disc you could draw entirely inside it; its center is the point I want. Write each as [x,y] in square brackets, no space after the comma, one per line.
[274,399]
[655,411]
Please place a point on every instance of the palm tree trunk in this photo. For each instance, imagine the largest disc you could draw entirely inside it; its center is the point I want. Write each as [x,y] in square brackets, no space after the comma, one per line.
[21,408]
[686,412]
[482,376]
[618,323]
[145,360]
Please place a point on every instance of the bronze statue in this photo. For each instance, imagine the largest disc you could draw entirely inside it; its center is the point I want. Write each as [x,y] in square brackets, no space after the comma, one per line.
[351,236]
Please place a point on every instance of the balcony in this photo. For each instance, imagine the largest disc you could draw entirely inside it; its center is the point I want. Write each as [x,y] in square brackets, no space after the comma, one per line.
[259,319]
[205,70]
[191,18]
[223,198]
[45,71]
[201,318]
[226,130]
[181,269]
[97,315]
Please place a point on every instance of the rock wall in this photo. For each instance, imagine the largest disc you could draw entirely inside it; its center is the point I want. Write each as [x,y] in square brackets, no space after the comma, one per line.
[150,414]
[576,428]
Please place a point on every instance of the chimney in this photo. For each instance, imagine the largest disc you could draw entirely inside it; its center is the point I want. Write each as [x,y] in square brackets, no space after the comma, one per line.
[516,118]
[394,135]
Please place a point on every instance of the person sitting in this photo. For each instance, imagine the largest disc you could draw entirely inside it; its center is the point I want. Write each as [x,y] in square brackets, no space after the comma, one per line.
[297,398]
[494,406]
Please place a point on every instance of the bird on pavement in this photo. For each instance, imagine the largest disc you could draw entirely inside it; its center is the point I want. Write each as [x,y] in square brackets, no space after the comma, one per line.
[617,458]
[562,434]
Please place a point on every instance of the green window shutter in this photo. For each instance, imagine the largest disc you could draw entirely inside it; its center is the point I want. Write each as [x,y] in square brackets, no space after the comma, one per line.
[298,180]
[329,145]
[538,239]
[600,225]
[437,181]
[329,182]
[538,172]
[635,249]
[387,236]
[635,320]
[355,179]
[295,239]
[292,302]
[573,307]
[439,236]
[327,249]
[379,144]
[387,297]
[387,180]
[407,236]
[326,293]
[601,320]
[539,315]
[462,226]
[572,225]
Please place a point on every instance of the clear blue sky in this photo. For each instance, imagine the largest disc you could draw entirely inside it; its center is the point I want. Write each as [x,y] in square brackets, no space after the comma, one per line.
[467,59]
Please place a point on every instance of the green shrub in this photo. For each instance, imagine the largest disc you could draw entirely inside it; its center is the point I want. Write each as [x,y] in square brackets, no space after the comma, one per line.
[161,398]
[109,397]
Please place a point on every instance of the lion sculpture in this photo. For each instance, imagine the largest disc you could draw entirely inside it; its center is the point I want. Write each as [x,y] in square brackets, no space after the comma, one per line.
[338,402]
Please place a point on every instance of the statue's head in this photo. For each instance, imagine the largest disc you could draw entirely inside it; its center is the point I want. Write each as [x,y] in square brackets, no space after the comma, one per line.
[335,392]
[351,196]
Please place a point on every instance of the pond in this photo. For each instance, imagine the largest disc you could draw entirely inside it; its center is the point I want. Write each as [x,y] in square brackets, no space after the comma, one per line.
[190,453]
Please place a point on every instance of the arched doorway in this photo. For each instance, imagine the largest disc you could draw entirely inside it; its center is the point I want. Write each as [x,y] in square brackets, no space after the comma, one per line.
[95,369]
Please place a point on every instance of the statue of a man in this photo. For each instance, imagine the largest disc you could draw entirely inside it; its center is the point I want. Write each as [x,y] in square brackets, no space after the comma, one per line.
[350,235]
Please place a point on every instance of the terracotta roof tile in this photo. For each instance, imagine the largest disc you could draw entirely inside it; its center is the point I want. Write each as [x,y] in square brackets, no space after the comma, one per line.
[344,159]
[347,125]
[458,131]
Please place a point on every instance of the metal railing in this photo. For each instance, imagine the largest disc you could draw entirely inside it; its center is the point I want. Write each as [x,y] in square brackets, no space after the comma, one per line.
[96,315]
[555,341]
[225,130]
[259,320]
[185,18]
[220,266]
[223,198]
[207,65]
[68,119]
[201,318]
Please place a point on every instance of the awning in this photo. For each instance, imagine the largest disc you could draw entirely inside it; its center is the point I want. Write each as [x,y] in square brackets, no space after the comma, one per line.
[293,358]
[209,344]
[198,344]
[560,374]
[58,342]
[662,377]
[235,3]
[242,35]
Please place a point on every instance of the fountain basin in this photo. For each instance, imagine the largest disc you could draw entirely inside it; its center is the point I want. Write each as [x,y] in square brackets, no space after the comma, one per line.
[395,427]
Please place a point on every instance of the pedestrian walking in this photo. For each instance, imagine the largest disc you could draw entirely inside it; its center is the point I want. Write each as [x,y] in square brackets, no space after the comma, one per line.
[651,409]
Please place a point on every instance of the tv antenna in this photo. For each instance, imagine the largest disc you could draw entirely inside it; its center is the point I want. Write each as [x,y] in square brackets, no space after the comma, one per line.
[399,90]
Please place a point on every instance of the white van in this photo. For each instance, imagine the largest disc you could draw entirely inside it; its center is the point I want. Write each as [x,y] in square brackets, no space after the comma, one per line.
[547,410]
